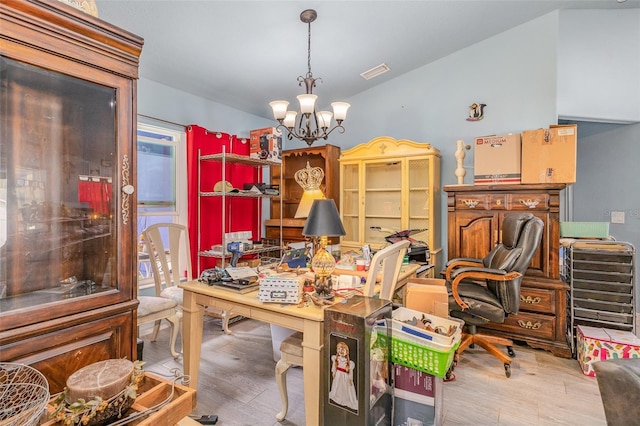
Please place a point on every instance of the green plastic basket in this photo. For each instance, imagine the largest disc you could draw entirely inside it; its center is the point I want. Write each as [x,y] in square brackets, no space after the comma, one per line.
[424,356]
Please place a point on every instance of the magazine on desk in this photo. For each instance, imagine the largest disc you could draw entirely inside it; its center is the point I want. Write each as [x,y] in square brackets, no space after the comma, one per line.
[242,272]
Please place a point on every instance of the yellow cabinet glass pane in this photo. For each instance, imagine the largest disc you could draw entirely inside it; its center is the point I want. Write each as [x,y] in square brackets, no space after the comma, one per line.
[383,175]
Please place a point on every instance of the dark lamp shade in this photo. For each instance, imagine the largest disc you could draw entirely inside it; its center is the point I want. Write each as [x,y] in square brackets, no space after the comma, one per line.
[324,220]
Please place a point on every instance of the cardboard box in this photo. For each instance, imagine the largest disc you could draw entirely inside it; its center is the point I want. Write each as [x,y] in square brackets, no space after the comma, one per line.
[356,382]
[497,159]
[598,344]
[279,289]
[266,144]
[427,295]
[418,397]
[550,155]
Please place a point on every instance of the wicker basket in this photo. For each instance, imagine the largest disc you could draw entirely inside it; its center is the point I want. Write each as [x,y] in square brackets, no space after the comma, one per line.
[24,393]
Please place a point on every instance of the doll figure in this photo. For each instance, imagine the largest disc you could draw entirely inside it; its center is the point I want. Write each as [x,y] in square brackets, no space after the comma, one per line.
[343,391]
[378,370]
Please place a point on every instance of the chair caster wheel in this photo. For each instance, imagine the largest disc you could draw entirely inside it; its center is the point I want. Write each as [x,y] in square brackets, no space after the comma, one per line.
[511,352]
[449,376]
[507,370]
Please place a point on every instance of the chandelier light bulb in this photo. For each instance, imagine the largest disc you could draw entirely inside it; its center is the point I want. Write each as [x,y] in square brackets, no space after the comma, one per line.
[290,119]
[279,109]
[324,118]
[340,110]
[307,103]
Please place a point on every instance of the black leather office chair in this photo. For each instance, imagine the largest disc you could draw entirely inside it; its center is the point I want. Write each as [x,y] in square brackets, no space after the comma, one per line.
[487,290]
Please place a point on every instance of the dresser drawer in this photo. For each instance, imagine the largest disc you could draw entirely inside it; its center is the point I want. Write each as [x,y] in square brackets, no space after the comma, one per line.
[527,324]
[538,300]
[289,234]
[532,201]
[497,202]
[471,202]
[272,232]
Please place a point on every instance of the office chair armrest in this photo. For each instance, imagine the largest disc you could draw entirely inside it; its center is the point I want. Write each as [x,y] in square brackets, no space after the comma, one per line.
[478,274]
[458,263]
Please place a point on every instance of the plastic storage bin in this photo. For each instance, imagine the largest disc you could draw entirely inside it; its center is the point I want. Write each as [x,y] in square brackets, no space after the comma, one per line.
[400,317]
[419,349]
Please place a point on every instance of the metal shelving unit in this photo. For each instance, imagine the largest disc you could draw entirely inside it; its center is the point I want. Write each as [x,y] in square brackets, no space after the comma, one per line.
[225,158]
[602,281]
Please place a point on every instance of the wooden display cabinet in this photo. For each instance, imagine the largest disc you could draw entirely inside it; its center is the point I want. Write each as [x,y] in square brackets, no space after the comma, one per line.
[475,215]
[67,235]
[387,186]
[325,157]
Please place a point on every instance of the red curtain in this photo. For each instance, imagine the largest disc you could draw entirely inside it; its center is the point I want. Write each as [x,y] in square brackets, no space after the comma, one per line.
[96,194]
[242,214]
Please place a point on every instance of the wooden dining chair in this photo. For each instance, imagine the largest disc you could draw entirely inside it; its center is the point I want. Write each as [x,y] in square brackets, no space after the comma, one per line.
[165,264]
[153,309]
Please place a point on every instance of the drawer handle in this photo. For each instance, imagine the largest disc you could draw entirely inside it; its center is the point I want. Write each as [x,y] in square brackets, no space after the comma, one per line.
[528,325]
[530,300]
[470,203]
[530,203]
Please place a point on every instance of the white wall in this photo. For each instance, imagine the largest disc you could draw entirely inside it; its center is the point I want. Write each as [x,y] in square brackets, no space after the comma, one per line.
[430,104]
[608,156]
[166,103]
[599,65]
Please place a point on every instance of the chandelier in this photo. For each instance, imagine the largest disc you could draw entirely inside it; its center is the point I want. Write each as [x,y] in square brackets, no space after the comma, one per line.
[309,125]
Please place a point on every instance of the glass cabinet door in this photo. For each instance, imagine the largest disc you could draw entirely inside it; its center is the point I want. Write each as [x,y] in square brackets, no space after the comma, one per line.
[57,199]
[383,200]
[350,202]
[419,196]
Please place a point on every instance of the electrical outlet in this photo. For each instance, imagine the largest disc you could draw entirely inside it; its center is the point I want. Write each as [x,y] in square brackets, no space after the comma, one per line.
[617,217]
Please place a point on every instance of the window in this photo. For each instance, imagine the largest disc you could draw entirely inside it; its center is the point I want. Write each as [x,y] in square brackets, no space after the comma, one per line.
[162,171]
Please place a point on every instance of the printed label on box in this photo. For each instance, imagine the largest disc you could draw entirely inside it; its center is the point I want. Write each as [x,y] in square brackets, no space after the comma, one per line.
[266,144]
[497,159]
[279,290]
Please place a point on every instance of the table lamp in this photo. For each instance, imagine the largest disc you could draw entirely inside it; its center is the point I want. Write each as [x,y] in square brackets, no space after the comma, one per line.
[323,221]
[310,179]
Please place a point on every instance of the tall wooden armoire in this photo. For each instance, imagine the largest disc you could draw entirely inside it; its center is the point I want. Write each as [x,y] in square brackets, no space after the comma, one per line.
[67,173]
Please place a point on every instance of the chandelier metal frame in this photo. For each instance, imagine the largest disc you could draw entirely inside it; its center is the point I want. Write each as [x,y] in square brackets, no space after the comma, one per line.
[308,125]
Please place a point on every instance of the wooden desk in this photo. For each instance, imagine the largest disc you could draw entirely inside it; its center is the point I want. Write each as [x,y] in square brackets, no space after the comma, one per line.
[308,320]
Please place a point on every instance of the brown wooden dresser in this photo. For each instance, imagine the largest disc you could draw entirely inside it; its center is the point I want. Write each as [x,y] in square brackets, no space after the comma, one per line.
[475,215]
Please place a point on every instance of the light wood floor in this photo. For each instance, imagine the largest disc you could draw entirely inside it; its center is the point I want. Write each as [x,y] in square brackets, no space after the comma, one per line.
[237,383]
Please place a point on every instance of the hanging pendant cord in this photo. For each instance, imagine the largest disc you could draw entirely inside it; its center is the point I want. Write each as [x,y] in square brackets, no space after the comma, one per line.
[309,50]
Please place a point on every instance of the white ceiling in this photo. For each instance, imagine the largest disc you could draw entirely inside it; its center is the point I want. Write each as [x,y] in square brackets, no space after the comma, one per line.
[246,53]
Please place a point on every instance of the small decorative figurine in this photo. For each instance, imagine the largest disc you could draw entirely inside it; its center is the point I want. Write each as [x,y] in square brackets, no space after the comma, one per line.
[476,112]
[460,154]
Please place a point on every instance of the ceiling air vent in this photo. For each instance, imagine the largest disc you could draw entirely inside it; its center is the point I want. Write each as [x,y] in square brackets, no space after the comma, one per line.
[375,71]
